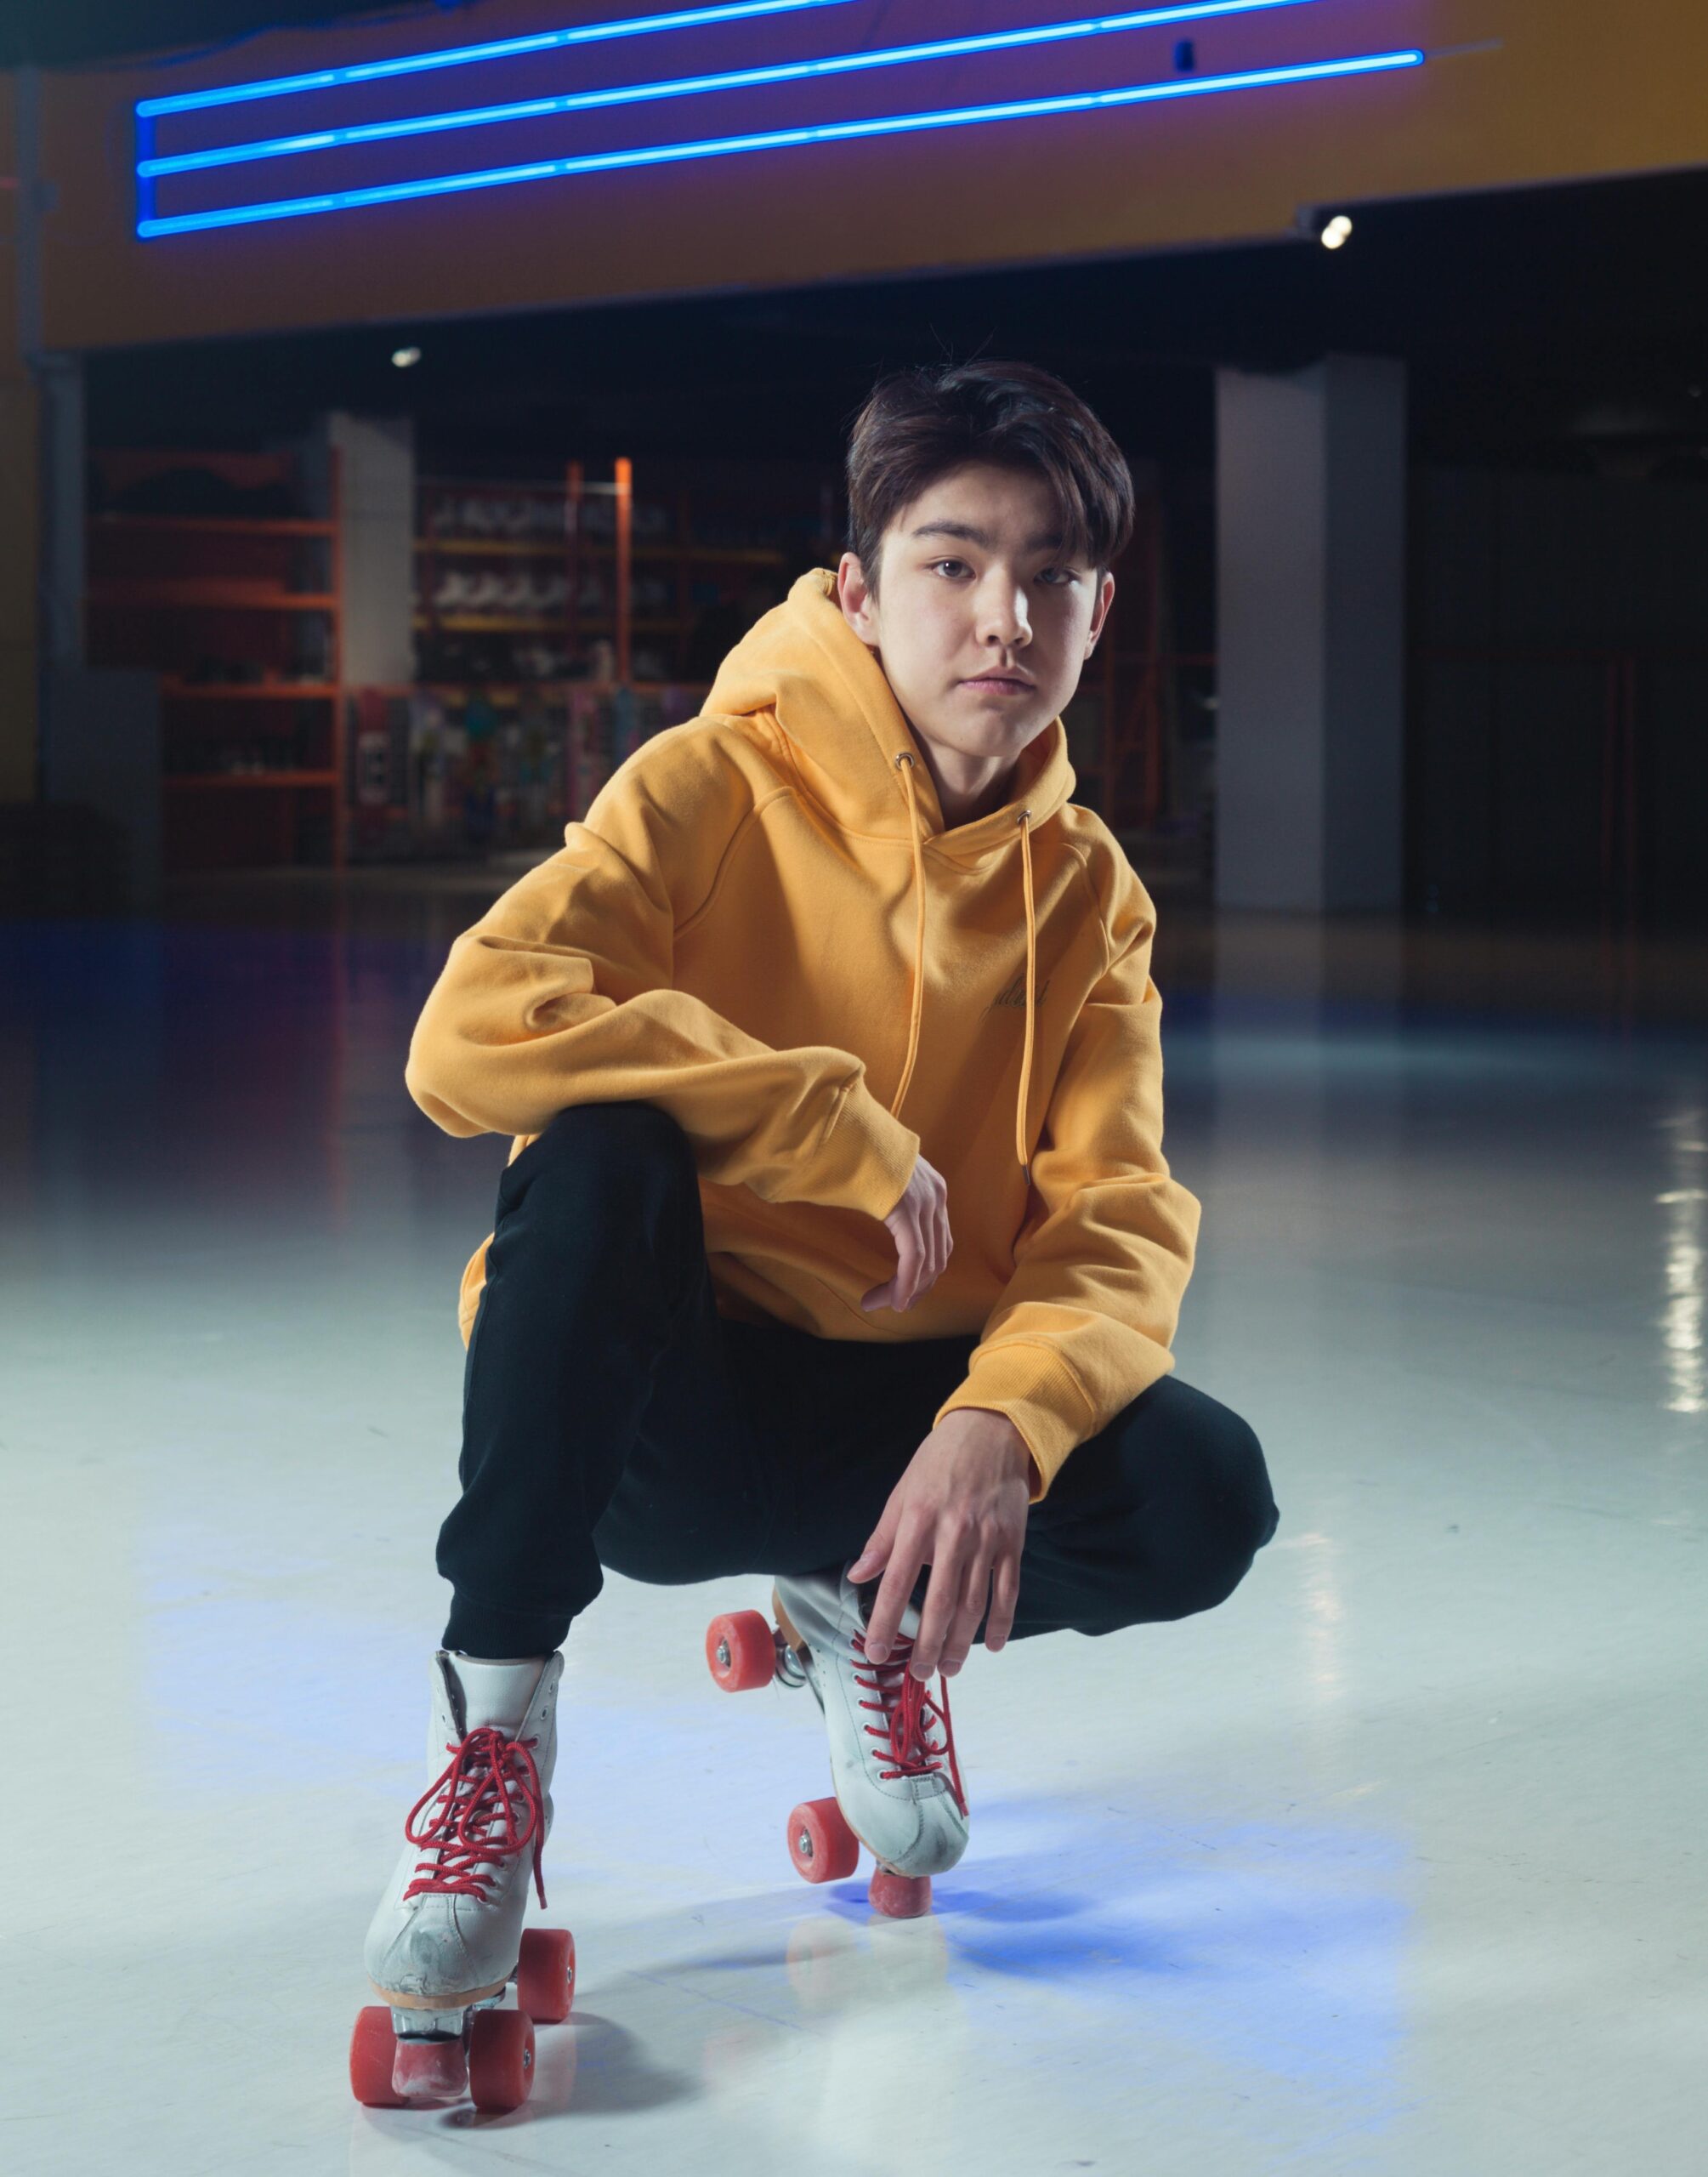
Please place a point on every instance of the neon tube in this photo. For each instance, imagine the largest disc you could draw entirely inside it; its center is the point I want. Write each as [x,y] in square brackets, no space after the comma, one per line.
[502,49]
[840,64]
[296,207]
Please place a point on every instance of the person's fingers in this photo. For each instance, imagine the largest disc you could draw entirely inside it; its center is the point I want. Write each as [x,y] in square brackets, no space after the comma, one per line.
[912,1267]
[940,1245]
[892,1293]
[965,1624]
[948,1569]
[876,1555]
[1005,1595]
[905,1558]
[931,1258]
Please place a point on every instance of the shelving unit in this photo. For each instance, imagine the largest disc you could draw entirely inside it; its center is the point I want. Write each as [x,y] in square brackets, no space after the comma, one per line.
[554,624]
[559,625]
[240,616]
[449,769]
[599,581]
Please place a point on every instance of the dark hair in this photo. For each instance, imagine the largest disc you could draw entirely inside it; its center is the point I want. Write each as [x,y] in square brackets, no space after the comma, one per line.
[917,424]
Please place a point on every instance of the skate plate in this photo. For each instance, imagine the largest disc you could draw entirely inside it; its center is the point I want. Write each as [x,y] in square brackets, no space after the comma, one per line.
[409,2055]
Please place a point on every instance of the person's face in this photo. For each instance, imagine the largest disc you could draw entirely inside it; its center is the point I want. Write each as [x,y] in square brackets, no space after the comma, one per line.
[982,625]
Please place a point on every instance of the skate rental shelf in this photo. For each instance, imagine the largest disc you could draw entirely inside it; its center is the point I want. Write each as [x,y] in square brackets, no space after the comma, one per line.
[544,658]
[555,626]
[492,746]
[238,609]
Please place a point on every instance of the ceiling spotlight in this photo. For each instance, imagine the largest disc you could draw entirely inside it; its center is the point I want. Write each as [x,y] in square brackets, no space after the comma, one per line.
[1334,235]
[405,358]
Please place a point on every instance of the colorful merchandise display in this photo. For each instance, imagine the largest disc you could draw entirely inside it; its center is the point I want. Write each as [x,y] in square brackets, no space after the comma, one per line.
[442,772]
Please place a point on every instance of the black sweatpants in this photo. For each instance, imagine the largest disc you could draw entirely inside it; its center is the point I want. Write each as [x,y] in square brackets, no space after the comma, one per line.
[612,1416]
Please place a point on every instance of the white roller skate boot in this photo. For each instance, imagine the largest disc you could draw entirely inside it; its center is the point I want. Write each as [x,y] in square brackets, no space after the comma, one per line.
[890,1737]
[448,1931]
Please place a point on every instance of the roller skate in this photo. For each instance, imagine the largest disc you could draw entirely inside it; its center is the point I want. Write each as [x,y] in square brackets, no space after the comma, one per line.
[447,1938]
[891,1792]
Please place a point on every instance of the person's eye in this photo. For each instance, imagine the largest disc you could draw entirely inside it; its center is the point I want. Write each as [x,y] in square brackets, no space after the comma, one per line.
[1067,577]
[949,563]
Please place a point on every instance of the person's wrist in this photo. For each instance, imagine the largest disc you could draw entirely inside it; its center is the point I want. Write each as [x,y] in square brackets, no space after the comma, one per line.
[1008,1436]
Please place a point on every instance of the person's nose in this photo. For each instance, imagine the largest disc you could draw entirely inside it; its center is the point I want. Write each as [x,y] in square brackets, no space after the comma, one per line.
[1004,620]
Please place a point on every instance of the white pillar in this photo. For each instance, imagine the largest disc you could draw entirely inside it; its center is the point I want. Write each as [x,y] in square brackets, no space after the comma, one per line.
[376,490]
[1310,506]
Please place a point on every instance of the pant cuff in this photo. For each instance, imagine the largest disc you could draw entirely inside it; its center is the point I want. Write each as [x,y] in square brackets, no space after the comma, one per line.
[476,1628]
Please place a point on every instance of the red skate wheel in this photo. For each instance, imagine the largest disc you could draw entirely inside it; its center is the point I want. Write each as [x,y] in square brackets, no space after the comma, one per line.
[740,1651]
[899,1896]
[373,2046]
[822,1846]
[546,1974]
[501,2059]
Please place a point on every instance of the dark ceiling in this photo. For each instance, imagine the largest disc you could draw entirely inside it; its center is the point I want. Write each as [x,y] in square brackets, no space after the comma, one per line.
[1564,327]
[60,33]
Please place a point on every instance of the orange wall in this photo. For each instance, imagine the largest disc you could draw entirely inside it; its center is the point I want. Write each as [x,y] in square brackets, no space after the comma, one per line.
[1517,92]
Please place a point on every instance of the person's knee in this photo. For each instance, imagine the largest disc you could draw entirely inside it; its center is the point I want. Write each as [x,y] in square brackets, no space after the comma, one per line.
[629,1126]
[1249,1502]
[1208,1519]
[1238,1509]
[606,1144]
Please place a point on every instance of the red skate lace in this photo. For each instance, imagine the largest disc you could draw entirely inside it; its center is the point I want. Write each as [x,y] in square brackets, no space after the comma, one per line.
[909,1715]
[475,1819]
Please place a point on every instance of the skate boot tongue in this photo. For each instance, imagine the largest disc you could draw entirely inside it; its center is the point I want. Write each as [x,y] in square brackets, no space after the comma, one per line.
[497,1695]
[912,1713]
[866,1593]
[495,1722]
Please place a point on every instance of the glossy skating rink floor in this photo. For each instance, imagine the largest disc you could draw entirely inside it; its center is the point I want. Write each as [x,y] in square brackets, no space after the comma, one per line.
[1391,1865]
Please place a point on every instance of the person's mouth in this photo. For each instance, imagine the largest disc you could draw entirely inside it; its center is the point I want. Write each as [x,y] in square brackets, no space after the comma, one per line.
[1008,683]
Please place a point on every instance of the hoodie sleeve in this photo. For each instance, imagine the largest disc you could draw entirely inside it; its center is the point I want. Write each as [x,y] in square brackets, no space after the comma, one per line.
[562,994]
[1085,1323]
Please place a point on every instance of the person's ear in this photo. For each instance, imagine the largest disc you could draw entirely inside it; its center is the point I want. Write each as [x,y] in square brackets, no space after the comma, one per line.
[1100,611]
[860,607]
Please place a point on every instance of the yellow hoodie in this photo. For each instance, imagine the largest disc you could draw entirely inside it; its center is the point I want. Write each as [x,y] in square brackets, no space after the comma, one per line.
[764,926]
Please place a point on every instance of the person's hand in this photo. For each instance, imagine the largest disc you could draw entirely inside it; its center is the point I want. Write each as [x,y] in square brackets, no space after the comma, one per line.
[961,1508]
[919,1224]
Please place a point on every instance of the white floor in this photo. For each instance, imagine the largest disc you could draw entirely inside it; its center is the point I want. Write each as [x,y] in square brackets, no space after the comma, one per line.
[1391,1865]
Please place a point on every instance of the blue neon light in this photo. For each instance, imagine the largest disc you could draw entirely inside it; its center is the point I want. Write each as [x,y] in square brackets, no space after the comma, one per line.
[373,131]
[820,133]
[502,49]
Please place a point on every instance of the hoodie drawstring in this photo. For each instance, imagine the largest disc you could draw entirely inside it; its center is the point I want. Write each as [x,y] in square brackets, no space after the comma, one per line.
[905,757]
[1024,822]
[918,931]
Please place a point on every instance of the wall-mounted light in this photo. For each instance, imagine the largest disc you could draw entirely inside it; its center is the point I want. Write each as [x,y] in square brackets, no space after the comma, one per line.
[405,358]
[1333,229]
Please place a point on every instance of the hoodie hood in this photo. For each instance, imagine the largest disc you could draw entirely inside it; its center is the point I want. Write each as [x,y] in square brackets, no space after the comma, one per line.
[803,665]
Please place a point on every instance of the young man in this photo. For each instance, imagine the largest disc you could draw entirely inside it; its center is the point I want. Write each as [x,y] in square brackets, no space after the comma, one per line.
[837,1243]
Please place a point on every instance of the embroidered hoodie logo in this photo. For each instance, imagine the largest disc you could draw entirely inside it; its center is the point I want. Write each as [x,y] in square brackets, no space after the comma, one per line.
[1014,993]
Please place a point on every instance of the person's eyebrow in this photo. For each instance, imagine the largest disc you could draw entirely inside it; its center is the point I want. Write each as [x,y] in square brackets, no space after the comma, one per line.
[1046,541]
